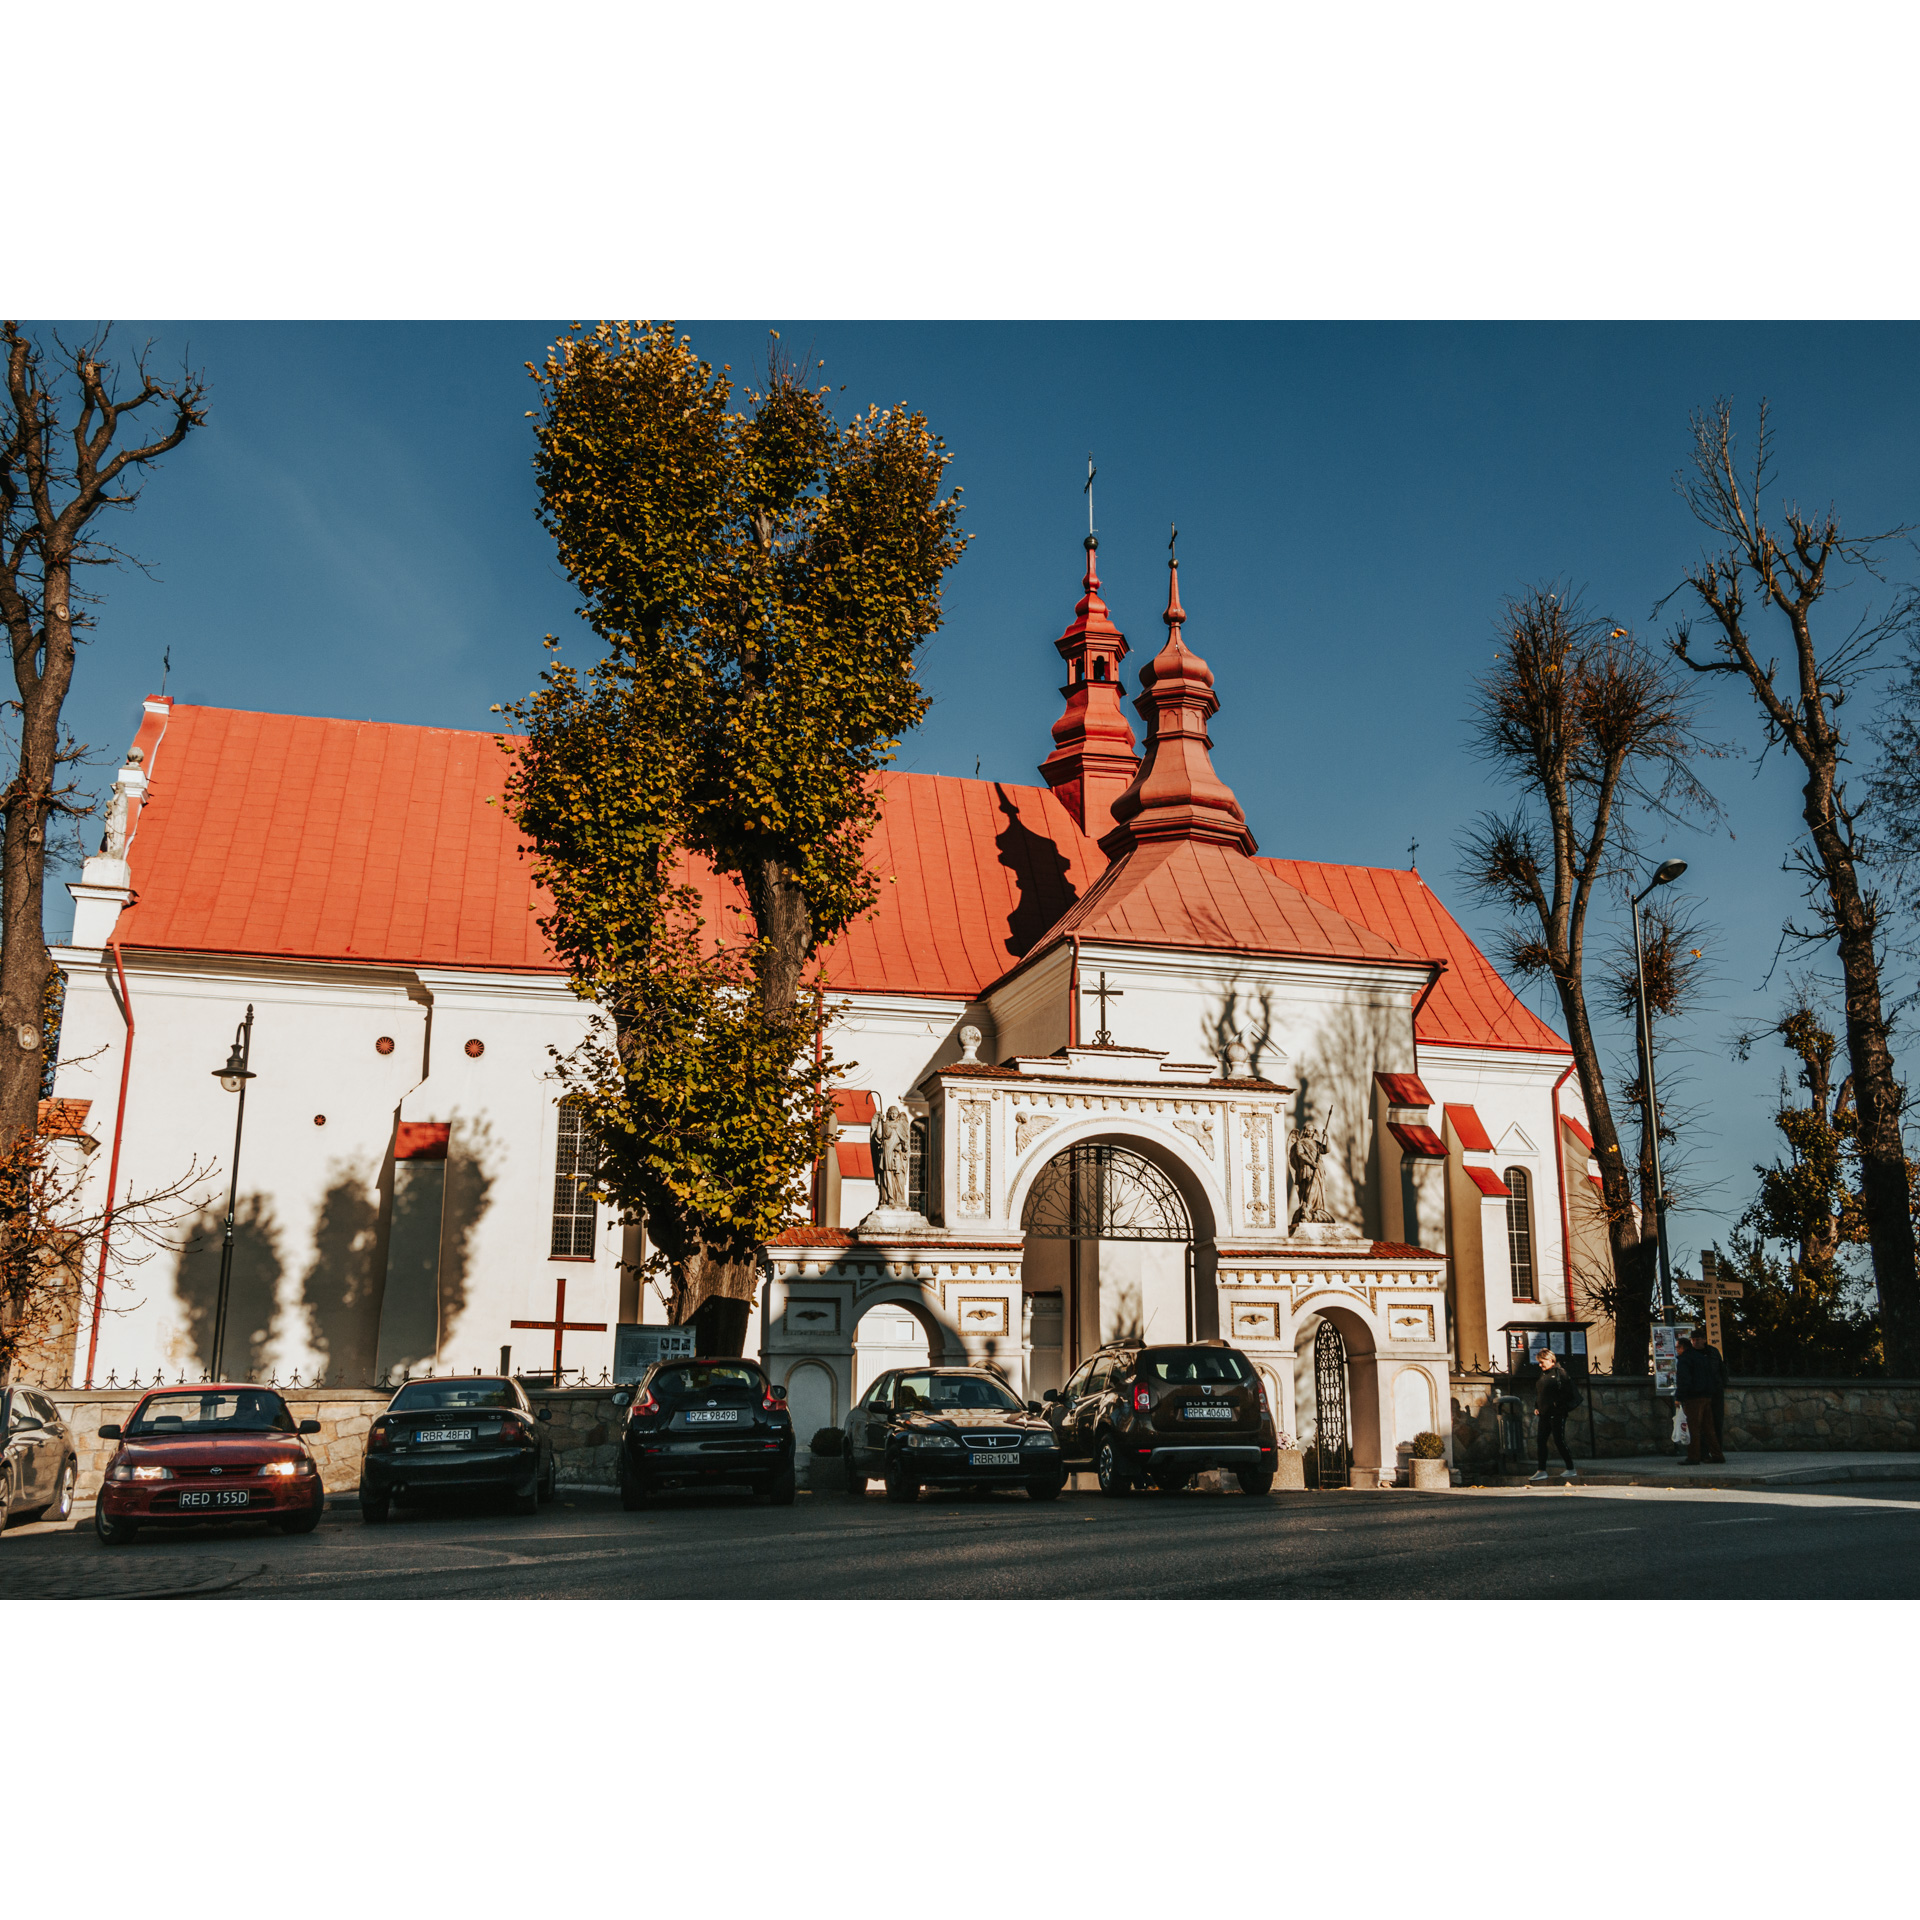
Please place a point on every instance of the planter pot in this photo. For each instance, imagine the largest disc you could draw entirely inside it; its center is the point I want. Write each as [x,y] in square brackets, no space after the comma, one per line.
[1289,1471]
[826,1473]
[1430,1476]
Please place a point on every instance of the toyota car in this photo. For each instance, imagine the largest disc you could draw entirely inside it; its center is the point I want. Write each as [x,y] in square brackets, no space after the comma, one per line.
[220,1453]
[1137,1414]
[950,1427]
[699,1424]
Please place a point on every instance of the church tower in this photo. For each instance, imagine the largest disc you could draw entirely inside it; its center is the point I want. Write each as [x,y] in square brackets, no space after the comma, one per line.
[1093,761]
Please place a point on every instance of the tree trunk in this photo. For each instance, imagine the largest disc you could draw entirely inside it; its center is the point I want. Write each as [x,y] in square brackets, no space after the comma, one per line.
[1884,1193]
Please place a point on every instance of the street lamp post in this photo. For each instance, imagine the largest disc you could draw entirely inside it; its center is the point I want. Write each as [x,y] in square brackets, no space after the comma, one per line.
[234,1077]
[1668,872]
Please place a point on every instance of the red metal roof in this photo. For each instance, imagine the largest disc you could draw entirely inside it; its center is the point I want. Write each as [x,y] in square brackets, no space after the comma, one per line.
[855,1158]
[1404,1089]
[1488,1181]
[1471,1006]
[64,1119]
[1466,1123]
[1418,1143]
[1579,1132]
[854,1106]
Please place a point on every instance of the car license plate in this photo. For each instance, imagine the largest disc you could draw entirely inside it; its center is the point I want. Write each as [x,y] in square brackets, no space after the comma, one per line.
[993,1459]
[447,1433]
[726,1418]
[1208,1413]
[216,1497]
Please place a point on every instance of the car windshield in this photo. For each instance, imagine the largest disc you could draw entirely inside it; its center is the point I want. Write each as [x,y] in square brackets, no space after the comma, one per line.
[1186,1365]
[235,1410]
[706,1379]
[944,1392]
[424,1396]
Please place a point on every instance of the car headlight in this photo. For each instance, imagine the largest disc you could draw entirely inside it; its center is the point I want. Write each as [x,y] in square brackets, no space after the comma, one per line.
[286,1468]
[1035,1440]
[931,1440]
[126,1472]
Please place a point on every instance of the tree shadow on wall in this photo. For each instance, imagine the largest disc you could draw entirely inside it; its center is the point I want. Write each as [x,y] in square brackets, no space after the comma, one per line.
[1356,1043]
[252,1293]
[1039,869]
[341,1289]
[1245,1013]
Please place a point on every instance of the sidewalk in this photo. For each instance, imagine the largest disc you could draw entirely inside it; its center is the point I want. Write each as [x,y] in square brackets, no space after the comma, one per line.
[1739,1470]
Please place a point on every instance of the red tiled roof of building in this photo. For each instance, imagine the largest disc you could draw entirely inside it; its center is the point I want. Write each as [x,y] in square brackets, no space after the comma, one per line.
[1471,1006]
[1404,1089]
[1488,1182]
[855,1158]
[1579,1132]
[853,1106]
[64,1119]
[1467,1124]
[1418,1143]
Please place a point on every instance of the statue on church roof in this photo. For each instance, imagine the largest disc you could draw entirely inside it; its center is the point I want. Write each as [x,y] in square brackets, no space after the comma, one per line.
[1306,1152]
[113,842]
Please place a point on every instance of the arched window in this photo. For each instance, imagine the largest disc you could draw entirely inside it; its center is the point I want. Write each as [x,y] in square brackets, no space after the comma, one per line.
[1520,1232]
[1099,669]
[576,1162]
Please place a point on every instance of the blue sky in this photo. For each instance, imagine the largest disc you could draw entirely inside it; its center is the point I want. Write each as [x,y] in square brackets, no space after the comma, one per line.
[353,534]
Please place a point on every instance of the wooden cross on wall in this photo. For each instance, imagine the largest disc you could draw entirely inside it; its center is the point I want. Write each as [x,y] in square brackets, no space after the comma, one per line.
[560,1326]
[1710,1289]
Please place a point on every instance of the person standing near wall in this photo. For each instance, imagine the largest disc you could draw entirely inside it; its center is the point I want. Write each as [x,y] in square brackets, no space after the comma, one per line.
[1553,1398]
[1701,1376]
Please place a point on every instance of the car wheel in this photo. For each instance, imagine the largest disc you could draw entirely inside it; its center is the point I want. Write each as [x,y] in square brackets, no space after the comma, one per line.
[551,1484]
[780,1493]
[1252,1482]
[1044,1489]
[6,1498]
[373,1510]
[528,1502]
[1110,1470]
[62,1508]
[300,1522]
[856,1484]
[116,1533]
[900,1488]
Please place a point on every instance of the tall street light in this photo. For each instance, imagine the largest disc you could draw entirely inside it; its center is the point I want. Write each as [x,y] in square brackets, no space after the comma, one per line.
[234,1077]
[1668,872]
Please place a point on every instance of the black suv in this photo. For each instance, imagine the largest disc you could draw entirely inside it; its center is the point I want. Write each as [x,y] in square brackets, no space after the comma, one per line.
[1162,1414]
[705,1423]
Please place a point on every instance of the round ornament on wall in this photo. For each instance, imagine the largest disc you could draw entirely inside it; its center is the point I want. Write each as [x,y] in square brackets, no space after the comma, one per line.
[475,1048]
[384,1044]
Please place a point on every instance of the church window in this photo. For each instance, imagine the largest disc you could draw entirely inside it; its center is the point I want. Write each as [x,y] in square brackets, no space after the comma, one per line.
[575,1165]
[1099,669]
[918,1170]
[1520,1232]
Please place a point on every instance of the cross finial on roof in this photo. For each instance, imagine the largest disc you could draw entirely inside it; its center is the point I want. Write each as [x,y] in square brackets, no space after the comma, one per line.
[1413,854]
[1092,537]
[1175,615]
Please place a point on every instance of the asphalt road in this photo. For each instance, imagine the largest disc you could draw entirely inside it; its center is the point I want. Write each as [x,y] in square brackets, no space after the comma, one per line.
[1596,1543]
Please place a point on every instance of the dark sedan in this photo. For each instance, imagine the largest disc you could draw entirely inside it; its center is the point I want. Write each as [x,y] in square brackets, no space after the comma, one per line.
[214,1452]
[39,1464]
[460,1435]
[705,1423]
[950,1427]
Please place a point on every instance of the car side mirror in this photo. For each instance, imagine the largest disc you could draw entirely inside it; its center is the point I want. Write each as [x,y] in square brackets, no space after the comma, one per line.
[623,1398]
[309,1426]
[780,1393]
[546,1413]
[1033,1406]
[1051,1395]
[110,1432]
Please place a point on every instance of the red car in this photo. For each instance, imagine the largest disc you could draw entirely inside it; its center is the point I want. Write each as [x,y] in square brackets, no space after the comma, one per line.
[192,1454]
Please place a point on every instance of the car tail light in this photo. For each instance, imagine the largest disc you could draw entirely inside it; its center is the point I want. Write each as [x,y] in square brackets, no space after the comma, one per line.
[1265,1410]
[379,1437]
[515,1432]
[1142,1399]
[645,1404]
[768,1402]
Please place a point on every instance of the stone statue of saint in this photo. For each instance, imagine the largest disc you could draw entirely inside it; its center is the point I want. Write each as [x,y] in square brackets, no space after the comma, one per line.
[1305,1152]
[892,1143]
[113,842]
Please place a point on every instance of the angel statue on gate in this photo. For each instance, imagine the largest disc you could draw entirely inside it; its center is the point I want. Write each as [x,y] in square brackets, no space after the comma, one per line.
[892,1138]
[1306,1152]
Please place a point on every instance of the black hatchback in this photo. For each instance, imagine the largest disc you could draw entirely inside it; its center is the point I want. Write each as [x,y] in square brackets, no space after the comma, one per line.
[950,1427]
[1137,1414]
[471,1434]
[705,1423]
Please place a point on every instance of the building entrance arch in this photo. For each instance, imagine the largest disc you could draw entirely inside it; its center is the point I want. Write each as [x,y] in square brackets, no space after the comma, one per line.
[1337,1375]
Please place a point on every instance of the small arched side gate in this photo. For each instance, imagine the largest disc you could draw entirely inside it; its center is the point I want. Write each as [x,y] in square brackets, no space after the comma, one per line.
[1332,1442]
[1099,1191]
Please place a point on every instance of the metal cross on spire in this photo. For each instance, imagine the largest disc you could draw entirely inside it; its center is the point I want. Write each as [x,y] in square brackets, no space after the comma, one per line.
[1413,854]
[1171,538]
[1088,491]
[166,667]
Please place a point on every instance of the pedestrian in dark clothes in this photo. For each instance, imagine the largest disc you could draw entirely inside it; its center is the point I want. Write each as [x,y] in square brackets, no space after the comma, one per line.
[1553,1398]
[1699,1377]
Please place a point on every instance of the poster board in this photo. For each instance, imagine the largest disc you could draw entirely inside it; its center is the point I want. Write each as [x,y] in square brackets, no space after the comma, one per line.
[1667,1342]
[636,1348]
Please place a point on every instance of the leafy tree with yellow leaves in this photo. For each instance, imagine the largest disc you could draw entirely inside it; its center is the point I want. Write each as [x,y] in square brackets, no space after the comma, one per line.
[762,578]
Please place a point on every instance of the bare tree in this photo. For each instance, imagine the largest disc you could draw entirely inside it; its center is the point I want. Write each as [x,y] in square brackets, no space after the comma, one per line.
[1592,728]
[55,483]
[1788,577]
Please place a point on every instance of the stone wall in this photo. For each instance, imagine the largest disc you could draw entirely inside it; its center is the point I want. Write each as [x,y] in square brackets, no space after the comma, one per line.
[1620,1417]
[585,1429]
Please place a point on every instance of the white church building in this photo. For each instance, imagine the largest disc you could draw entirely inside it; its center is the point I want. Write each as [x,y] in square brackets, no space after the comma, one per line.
[1113,1022]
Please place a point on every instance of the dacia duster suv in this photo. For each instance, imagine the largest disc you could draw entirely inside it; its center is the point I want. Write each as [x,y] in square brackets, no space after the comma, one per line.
[1140,1414]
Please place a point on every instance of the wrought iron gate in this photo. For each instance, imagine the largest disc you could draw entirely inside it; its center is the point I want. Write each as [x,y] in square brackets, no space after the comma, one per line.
[1332,1444]
[1101,1192]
